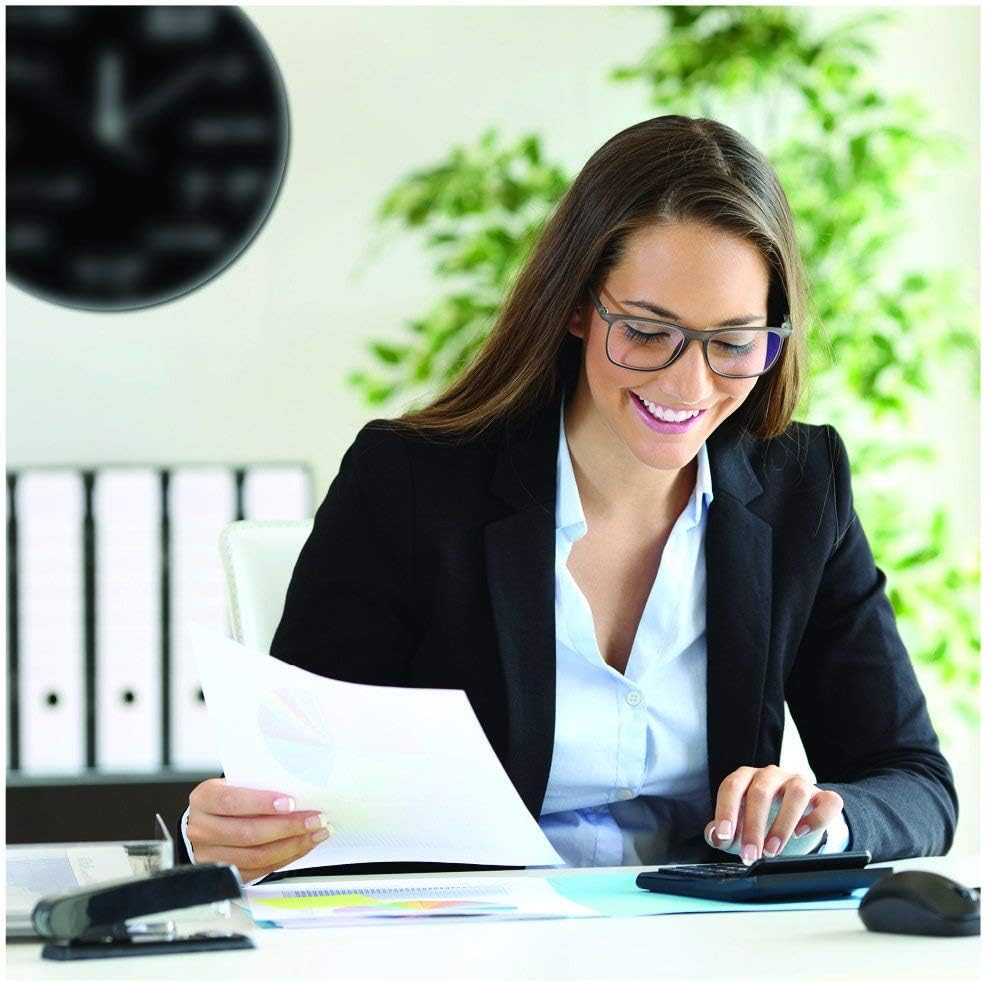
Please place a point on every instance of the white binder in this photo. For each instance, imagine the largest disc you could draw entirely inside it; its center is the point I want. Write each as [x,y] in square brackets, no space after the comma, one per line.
[127,511]
[276,492]
[202,500]
[50,511]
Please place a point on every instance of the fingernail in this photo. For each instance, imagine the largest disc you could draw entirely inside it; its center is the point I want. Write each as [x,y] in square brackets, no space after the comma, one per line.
[802,830]
[723,831]
[322,834]
[772,847]
[316,822]
[749,854]
[284,804]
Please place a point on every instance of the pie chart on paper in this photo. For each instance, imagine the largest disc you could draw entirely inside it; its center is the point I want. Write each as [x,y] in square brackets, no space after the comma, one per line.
[298,734]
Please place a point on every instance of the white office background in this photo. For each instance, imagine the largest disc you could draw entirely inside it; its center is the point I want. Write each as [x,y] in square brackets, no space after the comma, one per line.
[251,367]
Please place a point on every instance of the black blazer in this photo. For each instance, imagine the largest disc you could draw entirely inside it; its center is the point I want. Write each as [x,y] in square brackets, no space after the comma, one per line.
[432,564]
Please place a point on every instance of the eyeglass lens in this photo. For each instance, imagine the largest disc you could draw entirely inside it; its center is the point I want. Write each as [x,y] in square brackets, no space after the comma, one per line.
[733,353]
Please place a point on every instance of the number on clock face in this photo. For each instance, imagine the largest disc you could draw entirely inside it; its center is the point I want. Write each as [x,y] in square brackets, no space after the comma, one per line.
[145,148]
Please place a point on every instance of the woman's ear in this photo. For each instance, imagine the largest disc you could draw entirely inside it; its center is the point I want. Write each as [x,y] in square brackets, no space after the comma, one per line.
[576,323]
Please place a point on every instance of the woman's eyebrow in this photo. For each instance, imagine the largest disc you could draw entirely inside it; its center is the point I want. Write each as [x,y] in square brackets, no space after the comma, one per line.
[662,312]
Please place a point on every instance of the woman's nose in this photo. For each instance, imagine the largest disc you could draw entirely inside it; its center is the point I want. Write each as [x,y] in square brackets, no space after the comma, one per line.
[689,380]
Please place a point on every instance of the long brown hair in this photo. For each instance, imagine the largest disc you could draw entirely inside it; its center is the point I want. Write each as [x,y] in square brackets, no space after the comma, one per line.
[666,169]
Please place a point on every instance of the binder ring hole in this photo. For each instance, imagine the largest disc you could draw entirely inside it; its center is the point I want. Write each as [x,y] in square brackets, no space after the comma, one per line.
[51,698]
[128,696]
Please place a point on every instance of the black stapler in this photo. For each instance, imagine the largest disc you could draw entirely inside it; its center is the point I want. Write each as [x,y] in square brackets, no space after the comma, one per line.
[91,922]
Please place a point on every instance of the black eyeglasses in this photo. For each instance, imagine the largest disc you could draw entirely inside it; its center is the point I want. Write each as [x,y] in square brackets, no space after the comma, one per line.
[645,345]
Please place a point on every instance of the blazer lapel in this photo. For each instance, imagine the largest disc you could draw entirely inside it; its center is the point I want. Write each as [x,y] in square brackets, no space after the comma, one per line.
[519,552]
[738,551]
[519,564]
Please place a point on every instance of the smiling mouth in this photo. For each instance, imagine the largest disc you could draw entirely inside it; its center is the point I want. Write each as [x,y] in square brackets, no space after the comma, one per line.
[666,413]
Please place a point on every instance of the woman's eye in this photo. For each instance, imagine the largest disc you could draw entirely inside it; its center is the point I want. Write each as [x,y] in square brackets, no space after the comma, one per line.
[735,344]
[651,333]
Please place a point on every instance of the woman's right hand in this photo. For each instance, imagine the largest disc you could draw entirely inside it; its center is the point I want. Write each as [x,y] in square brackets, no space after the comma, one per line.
[258,832]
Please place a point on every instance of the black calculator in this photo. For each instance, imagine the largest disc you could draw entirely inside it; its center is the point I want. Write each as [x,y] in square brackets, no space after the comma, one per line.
[813,877]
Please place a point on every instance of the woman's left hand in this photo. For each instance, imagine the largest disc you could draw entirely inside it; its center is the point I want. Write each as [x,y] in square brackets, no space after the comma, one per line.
[743,823]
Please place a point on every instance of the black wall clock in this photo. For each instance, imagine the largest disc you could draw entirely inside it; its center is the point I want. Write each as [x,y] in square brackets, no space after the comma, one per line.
[145,149]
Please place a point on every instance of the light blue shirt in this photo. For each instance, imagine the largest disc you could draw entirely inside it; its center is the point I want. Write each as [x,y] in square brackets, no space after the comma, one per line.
[630,768]
[629,775]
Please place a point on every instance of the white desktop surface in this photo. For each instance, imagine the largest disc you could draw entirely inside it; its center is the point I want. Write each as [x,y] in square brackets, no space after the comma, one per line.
[781,946]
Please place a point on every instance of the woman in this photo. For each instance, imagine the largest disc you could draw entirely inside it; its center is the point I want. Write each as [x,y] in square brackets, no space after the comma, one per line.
[611,536]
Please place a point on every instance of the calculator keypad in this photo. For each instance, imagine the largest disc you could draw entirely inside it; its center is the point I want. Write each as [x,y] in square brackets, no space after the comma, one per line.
[707,871]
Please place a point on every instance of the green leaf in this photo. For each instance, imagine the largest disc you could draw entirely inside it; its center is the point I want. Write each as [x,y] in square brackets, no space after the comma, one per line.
[389,354]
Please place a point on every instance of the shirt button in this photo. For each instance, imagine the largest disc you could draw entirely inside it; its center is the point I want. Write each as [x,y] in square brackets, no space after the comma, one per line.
[624,794]
[633,698]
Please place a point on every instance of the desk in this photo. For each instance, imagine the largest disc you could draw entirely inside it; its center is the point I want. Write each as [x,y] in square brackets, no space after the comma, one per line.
[783,946]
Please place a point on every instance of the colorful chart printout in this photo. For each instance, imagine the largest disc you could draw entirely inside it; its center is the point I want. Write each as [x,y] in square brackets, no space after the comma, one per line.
[351,902]
[366,904]
[292,724]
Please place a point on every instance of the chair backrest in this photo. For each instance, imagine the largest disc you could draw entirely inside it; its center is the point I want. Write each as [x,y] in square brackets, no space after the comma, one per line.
[258,557]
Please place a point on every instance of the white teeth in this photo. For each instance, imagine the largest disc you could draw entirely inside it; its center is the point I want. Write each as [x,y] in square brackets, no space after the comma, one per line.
[666,414]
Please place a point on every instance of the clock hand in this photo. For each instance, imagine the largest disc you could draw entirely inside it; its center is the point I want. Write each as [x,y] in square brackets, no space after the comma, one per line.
[49,101]
[167,93]
[110,122]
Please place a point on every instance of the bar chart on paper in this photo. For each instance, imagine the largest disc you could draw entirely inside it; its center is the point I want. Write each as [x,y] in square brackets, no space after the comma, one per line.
[318,903]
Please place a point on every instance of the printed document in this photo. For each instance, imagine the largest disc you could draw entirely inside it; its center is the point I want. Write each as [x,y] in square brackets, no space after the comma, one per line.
[402,774]
[312,903]
[36,871]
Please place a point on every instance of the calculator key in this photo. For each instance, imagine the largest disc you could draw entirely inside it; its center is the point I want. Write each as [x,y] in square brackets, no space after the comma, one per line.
[707,871]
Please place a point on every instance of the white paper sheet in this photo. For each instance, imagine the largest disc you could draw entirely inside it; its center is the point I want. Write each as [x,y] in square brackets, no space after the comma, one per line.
[402,774]
[36,871]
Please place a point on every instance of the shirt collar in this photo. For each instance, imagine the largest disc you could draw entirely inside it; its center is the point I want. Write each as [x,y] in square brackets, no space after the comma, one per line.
[569,515]
[703,495]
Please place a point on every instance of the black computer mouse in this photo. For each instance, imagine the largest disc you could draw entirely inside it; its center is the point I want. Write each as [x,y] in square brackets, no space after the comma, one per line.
[916,902]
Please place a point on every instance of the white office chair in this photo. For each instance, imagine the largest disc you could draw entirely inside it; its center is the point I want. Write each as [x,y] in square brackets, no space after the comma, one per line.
[258,557]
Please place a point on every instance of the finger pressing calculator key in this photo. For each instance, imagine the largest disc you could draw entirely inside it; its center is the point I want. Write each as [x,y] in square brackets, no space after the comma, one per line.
[769,879]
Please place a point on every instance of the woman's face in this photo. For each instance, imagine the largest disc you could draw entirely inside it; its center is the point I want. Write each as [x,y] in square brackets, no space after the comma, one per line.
[699,278]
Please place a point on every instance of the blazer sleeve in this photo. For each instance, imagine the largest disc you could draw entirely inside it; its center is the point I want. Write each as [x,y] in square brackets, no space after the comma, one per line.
[354,610]
[349,612]
[858,706]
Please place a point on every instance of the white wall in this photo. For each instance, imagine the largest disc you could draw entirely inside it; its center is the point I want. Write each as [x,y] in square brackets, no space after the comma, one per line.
[251,367]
